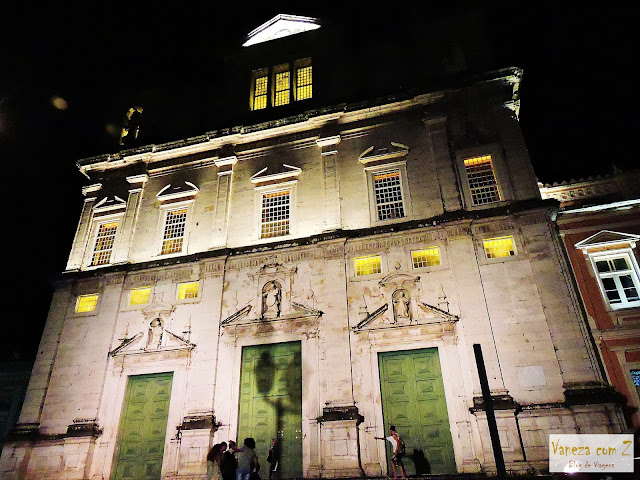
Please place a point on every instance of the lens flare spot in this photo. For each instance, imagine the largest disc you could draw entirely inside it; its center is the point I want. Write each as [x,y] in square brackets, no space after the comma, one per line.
[59,103]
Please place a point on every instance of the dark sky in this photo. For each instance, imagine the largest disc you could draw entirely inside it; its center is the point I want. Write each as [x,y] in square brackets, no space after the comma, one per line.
[578,111]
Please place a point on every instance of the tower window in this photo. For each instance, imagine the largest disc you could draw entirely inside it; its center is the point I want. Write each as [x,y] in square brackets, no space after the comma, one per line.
[261,89]
[280,85]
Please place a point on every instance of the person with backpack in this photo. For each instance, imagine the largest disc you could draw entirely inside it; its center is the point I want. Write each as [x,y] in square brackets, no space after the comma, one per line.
[398,448]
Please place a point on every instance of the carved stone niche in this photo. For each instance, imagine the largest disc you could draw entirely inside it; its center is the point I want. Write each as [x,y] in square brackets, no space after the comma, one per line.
[405,291]
[405,307]
[273,307]
[155,336]
[274,283]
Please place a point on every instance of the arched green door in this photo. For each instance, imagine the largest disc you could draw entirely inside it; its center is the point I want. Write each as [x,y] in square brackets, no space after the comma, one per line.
[271,403]
[143,426]
[413,400]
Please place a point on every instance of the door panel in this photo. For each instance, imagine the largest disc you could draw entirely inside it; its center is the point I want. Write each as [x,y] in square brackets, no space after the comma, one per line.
[413,400]
[143,427]
[271,403]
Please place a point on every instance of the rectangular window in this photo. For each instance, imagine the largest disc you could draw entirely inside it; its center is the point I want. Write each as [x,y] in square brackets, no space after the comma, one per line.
[174,229]
[275,214]
[635,376]
[388,195]
[104,243]
[87,303]
[368,265]
[260,92]
[282,93]
[428,257]
[188,290]
[482,180]
[140,296]
[304,83]
[619,280]
[499,247]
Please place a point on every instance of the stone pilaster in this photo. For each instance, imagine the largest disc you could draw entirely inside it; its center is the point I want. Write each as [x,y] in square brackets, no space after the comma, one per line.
[331,182]
[221,214]
[82,232]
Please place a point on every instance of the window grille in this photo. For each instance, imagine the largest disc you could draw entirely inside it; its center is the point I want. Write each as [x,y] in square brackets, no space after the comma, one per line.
[619,280]
[140,296]
[174,229]
[499,247]
[304,83]
[260,93]
[388,193]
[188,290]
[275,214]
[86,303]
[104,243]
[482,180]
[428,257]
[283,88]
[368,265]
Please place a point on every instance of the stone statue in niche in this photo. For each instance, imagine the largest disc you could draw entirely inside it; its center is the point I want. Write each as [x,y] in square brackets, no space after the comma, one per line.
[401,305]
[154,337]
[271,299]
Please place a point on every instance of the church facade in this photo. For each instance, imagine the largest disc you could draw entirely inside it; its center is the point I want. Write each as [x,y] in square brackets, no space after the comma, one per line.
[315,279]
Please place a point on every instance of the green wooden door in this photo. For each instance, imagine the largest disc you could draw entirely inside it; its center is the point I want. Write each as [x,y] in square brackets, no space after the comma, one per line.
[271,403]
[143,427]
[413,400]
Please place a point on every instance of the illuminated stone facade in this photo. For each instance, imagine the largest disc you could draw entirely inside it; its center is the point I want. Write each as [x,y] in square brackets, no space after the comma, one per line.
[382,180]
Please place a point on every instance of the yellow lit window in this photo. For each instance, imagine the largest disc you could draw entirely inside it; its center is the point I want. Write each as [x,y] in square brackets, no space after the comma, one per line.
[104,243]
[282,88]
[304,83]
[482,180]
[275,214]
[87,303]
[368,265]
[428,257]
[499,247]
[260,92]
[174,229]
[140,296]
[188,290]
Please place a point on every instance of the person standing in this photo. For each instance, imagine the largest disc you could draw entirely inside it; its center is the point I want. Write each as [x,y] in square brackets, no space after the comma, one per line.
[247,459]
[274,459]
[397,447]
[228,462]
[214,458]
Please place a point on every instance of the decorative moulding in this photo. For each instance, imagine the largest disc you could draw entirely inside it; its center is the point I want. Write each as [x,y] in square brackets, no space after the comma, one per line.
[375,154]
[290,173]
[108,204]
[280,26]
[183,190]
[608,238]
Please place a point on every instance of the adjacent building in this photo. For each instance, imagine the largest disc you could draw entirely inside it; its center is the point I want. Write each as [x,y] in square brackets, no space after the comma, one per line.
[599,223]
[314,277]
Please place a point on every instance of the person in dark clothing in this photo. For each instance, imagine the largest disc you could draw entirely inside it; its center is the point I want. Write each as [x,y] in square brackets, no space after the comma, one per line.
[274,460]
[228,462]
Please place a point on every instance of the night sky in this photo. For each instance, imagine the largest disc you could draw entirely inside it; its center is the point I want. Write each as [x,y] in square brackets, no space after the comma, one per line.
[70,71]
